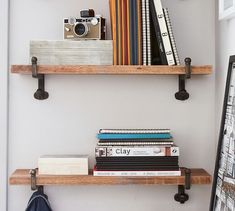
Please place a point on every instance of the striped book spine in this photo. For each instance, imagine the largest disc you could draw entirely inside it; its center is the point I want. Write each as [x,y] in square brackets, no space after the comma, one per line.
[126,23]
[139,32]
[148,33]
[144,33]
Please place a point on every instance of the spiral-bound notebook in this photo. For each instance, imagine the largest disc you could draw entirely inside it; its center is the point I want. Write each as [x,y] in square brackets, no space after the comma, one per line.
[148,33]
[164,32]
[171,35]
[134,130]
[144,32]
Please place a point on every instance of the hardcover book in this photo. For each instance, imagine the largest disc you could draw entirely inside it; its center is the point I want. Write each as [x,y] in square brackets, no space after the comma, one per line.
[135,173]
[137,151]
[143,159]
[137,168]
[158,44]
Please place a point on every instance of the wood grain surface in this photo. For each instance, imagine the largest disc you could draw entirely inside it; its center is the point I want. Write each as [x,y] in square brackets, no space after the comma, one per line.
[22,177]
[111,69]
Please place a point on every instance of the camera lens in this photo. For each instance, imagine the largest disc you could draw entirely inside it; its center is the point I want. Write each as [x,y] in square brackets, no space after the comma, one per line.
[81,29]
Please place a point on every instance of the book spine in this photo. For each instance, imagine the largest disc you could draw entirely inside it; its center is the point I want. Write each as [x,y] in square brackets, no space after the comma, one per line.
[157,32]
[117,32]
[133,143]
[123,31]
[135,32]
[148,33]
[164,32]
[139,32]
[136,151]
[119,26]
[144,33]
[136,173]
[134,131]
[172,38]
[128,32]
[113,29]
[134,136]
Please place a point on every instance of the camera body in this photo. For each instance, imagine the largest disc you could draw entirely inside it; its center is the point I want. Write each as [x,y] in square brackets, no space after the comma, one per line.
[88,26]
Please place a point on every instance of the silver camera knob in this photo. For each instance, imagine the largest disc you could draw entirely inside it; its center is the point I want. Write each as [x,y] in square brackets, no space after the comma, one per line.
[94,21]
[72,20]
[81,29]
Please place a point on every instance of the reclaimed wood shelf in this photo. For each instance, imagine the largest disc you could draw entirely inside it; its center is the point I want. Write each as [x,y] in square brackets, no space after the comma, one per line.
[39,71]
[23,177]
[111,69]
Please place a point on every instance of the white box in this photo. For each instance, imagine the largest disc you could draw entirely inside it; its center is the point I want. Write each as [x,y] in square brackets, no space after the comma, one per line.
[63,165]
[67,52]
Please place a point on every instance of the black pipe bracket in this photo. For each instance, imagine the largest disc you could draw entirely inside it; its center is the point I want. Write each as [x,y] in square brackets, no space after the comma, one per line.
[182,94]
[40,94]
[181,196]
[34,185]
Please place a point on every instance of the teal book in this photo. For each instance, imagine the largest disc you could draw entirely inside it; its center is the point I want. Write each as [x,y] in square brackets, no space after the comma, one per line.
[134,136]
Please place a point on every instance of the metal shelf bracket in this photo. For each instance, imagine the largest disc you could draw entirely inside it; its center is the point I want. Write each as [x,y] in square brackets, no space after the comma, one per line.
[181,196]
[34,185]
[182,94]
[40,94]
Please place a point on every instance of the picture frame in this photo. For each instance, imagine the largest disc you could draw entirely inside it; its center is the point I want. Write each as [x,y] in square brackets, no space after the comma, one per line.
[226,9]
[223,188]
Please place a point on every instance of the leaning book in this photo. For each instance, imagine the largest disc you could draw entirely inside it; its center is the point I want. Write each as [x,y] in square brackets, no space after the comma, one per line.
[63,165]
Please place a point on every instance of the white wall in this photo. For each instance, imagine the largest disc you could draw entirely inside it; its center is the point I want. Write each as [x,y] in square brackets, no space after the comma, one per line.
[79,105]
[4,8]
[225,47]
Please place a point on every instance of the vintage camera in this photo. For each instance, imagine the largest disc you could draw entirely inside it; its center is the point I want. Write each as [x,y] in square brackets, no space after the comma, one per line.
[88,26]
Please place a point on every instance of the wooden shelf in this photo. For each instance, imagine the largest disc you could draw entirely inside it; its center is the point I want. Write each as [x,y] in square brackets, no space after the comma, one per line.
[22,177]
[111,70]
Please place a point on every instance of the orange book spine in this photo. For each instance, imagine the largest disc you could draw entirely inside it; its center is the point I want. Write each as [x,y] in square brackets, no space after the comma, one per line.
[123,31]
[119,9]
[112,7]
[139,32]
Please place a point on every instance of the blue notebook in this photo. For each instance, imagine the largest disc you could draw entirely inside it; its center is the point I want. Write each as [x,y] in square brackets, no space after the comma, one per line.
[134,136]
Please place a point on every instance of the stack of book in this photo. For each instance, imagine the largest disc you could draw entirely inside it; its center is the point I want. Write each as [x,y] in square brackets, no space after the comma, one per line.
[63,165]
[142,33]
[136,152]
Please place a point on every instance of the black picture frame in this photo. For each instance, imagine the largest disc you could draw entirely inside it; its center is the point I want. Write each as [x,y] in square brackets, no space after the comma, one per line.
[223,187]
